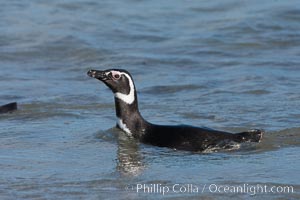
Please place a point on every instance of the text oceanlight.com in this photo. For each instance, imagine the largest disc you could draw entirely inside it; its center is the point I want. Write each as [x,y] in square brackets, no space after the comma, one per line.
[211,188]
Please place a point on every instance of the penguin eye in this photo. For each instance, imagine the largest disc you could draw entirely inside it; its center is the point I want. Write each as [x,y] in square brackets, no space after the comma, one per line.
[116,76]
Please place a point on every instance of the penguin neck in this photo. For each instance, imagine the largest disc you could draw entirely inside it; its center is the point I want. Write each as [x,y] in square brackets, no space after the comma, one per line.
[125,110]
[129,118]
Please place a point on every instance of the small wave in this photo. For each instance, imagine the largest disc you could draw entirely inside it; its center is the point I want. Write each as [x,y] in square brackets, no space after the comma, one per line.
[289,14]
[285,138]
[257,92]
[231,146]
[110,135]
[169,89]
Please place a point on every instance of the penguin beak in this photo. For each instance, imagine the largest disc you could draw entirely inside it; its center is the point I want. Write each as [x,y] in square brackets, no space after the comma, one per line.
[101,75]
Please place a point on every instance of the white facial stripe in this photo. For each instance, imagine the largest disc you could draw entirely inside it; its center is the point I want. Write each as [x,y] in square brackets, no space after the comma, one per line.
[127,98]
[123,127]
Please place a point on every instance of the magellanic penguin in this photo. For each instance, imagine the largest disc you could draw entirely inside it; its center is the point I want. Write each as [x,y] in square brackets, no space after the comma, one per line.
[182,137]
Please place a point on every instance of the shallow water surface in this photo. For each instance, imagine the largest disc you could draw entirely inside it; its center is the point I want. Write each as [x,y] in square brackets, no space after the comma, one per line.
[230,65]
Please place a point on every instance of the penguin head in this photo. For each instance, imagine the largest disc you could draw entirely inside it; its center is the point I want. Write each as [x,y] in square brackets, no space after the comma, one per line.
[119,81]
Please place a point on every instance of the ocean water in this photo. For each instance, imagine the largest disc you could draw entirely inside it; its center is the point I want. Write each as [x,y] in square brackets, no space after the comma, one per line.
[230,65]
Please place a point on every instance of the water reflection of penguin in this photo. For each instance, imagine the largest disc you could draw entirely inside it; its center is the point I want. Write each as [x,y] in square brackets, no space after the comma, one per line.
[8,108]
[178,137]
[130,161]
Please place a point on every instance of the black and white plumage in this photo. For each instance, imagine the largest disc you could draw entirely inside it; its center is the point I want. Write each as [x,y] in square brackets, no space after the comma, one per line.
[181,137]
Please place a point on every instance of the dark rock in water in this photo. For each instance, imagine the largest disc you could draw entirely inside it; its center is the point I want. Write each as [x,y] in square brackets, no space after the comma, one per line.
[8,107]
